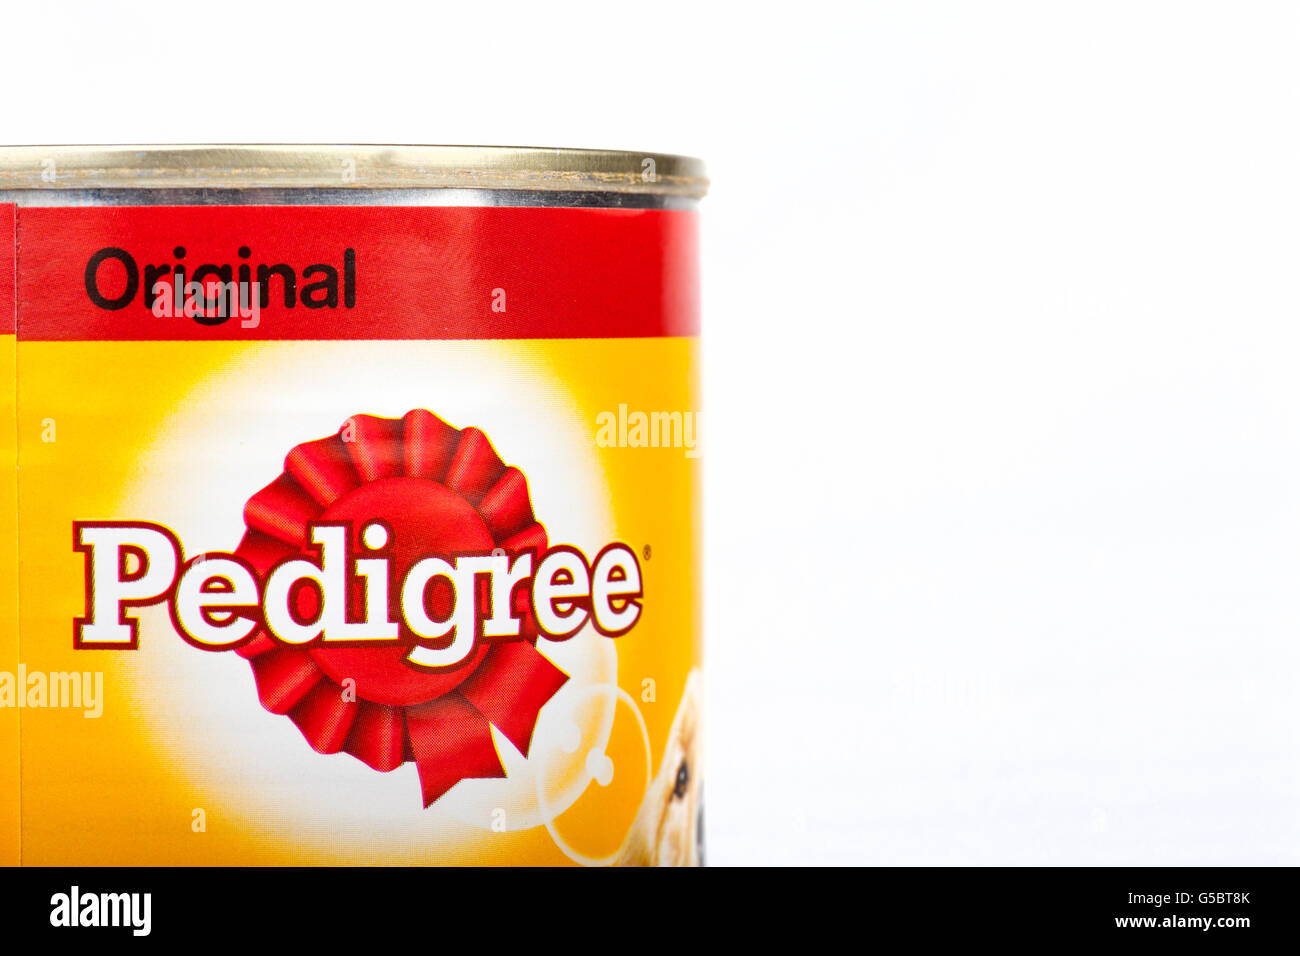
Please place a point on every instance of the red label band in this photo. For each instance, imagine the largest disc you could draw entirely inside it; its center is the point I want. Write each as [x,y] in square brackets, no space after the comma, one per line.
[8,252]
[329,272]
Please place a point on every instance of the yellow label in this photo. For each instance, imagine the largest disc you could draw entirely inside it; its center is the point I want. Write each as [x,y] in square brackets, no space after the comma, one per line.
[166,753]
[10,772]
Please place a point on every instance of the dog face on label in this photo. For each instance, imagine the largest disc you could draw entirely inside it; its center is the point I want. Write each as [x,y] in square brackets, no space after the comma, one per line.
[668,830]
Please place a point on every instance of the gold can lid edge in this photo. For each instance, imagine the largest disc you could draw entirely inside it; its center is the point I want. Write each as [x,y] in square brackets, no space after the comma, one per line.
[349,167]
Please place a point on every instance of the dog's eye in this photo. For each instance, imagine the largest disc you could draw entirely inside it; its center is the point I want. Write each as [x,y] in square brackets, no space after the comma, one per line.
[683,780]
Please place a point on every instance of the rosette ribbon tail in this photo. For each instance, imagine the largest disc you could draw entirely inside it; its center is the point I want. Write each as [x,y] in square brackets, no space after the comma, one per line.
[510,688]
[450,741]
[451,738]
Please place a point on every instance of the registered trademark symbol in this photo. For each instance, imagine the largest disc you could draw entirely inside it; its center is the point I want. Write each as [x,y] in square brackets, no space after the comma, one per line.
[645,553]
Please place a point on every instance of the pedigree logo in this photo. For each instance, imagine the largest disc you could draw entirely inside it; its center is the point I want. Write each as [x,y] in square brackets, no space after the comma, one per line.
[218,601]
[389,592]
[214,293]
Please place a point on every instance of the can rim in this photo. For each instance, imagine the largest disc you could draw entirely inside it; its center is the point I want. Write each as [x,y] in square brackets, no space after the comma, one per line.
[359,166]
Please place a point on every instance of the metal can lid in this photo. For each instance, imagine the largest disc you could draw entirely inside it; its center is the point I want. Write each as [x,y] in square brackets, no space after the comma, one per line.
[349,167]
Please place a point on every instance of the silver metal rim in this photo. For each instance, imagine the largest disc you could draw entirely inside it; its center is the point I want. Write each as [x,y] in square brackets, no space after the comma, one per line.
[349,167]
[51,198]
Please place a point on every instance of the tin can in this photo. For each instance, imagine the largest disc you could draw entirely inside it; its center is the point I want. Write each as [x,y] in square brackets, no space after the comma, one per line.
[354,509]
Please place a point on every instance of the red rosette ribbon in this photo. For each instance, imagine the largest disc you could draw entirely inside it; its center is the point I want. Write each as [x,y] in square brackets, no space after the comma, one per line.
[440,491]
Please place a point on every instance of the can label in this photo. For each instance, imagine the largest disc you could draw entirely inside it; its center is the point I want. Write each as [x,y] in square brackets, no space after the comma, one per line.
[349,535]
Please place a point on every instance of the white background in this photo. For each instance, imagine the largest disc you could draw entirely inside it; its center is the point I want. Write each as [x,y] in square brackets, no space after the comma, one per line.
[1002,405]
